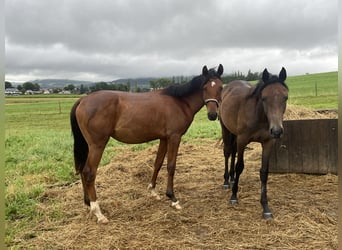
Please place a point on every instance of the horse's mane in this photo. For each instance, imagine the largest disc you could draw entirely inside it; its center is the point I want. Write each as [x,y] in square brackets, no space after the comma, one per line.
[261,85]
[179,90]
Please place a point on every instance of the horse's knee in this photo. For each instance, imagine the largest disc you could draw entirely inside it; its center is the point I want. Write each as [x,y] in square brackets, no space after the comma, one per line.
[171,169]
[89,175]
[239,167]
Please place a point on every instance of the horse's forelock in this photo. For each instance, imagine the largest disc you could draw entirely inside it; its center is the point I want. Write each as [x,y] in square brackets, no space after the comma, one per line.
[261,85]
[212,73]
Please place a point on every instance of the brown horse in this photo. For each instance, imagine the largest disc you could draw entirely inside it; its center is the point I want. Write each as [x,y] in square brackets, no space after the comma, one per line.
[137,118]
[252,114]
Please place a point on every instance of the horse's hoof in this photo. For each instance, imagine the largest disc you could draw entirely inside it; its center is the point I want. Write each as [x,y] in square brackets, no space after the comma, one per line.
[102,220]
[233,202]
[154,194]
[226,186]
[267,216]
[176,205]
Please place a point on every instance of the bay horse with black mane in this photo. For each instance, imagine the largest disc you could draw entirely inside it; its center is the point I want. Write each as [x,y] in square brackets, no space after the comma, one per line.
[137,118]
[252,113]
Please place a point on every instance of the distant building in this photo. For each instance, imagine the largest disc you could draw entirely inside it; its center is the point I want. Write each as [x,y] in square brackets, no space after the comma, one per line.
[12,91]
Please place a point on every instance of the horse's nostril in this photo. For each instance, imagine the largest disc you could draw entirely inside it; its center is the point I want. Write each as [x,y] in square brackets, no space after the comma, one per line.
[212,116]
[276,133]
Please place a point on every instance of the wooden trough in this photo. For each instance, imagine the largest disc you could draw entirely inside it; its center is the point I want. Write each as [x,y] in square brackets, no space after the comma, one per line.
[308,146]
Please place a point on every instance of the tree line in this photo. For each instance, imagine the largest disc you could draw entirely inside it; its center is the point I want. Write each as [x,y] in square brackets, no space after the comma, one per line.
[153,84]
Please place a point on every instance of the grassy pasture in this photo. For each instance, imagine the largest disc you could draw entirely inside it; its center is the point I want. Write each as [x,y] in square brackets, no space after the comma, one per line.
[317,91]
[38,145]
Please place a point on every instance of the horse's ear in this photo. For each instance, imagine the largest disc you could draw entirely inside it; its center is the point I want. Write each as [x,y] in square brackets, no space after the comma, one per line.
[220,70]
[282,74]
[205,70]
[265,75]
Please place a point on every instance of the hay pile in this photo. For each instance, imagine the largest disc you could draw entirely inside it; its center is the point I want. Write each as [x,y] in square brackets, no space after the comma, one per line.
[304,207]
[294,112]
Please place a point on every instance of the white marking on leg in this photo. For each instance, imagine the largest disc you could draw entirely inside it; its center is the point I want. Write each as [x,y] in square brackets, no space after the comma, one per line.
[176,205]
[153,192]
[95,209]
[213,84]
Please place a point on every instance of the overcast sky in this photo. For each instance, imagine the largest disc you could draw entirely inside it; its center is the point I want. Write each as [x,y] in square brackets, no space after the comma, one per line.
[106,40]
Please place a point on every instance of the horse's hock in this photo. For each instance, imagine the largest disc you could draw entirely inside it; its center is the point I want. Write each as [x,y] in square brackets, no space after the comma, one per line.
[307,146]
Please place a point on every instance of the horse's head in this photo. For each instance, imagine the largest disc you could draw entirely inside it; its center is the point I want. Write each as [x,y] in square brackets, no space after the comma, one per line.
[274,96]
[212,90]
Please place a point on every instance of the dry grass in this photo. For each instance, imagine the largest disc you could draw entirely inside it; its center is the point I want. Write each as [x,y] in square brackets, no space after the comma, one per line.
[294,112]
[304,207]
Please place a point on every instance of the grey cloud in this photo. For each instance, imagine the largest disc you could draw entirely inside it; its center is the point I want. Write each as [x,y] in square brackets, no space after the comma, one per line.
[142,38]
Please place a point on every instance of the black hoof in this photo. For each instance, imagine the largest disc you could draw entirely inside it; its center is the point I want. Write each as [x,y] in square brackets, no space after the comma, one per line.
[226,186]
[233,202]
[267,216]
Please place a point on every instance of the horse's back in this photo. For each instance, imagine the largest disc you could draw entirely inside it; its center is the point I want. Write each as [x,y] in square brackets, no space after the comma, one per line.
[237,88]
[236,105]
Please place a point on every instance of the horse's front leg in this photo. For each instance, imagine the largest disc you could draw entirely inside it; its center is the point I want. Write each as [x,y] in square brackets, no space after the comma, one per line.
[173,145]
[88,179]
[157,165]
[240,165]
[266,151]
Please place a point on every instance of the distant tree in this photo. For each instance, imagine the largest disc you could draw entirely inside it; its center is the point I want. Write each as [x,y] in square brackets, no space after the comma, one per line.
[164,82]
[252,76]
[69,87]
[31,86]
[154,84]
[83,89]
[99,86]
[160,83]
[128,84]
[56,90]
[8,85]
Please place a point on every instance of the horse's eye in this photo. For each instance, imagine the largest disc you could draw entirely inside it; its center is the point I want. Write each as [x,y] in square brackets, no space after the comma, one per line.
[285,98]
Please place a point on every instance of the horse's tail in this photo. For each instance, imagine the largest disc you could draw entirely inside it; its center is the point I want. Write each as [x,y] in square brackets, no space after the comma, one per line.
[80,144]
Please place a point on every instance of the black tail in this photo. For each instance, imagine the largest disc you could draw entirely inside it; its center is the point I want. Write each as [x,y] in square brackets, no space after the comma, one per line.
[80,144]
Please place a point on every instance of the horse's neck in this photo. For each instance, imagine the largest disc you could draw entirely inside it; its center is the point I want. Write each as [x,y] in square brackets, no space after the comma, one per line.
[194,101]
[259,108]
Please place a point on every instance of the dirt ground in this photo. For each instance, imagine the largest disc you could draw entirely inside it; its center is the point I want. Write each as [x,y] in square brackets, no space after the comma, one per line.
[304,207]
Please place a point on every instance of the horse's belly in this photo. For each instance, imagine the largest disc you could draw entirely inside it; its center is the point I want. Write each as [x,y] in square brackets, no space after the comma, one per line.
[135,135]
[133,139]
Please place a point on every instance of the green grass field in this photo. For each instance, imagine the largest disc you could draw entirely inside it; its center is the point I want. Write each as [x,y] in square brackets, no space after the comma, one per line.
[38,144]
[317,91]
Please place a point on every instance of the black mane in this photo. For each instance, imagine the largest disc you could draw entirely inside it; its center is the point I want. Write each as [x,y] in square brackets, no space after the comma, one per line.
[261,85]
[179,90]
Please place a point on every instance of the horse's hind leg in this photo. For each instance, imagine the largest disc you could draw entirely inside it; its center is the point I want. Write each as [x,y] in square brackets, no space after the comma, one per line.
[239,168]
[157,165]
[88,180]
[172,150]
[233,147]
[226,153]
[229,149]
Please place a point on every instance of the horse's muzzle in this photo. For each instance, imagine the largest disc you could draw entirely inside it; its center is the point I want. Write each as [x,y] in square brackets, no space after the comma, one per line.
[276,132]
[212,116]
